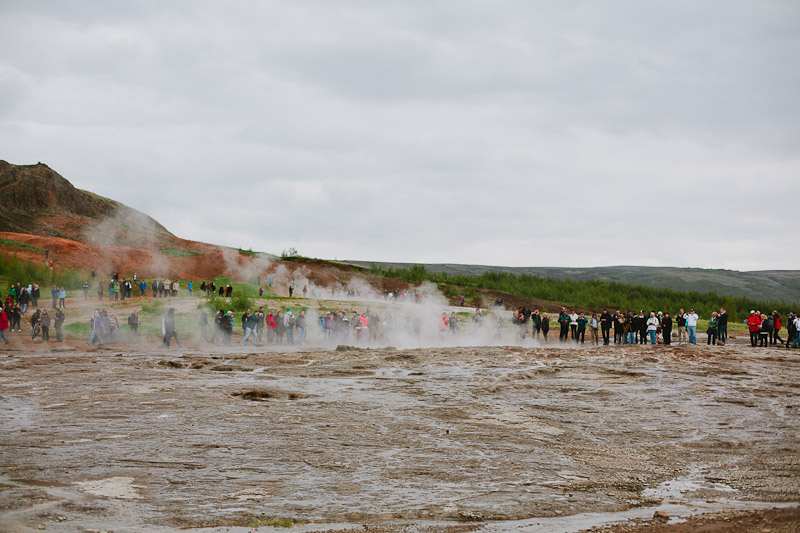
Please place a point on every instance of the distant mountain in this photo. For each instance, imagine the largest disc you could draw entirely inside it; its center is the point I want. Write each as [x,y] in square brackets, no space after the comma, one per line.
[35,199]
[758,285]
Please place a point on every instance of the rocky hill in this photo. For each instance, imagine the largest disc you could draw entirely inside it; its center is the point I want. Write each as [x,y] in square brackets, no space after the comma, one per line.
[35,199]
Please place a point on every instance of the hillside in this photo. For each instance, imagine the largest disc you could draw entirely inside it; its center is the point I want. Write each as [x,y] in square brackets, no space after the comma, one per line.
[36,200]
[779,285]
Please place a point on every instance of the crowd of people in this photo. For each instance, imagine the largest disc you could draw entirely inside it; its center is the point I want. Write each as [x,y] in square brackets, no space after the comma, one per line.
[285,327]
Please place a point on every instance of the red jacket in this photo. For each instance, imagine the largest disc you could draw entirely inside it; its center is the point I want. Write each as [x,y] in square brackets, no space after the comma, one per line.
[271,322]
[754,322]
[3,321]
[777,323]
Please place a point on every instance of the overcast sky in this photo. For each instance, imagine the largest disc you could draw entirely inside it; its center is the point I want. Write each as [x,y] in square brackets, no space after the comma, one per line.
[558,133]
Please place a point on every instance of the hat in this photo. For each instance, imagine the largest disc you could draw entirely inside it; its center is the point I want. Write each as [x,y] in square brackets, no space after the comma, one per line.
[288,308]
[752,312]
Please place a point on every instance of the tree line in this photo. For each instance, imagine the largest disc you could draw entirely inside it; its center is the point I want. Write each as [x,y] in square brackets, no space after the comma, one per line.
[590,294]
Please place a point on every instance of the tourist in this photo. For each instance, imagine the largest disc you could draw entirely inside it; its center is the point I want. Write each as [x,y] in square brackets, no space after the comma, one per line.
[666,328]
[45,322]
[300,324]
[680,321]
[133,323]
[722,326]
[594,325]
[580,328]
[775,338]
[691,325]
[58,322]
[98,328]
[168,328]
[3,325]
[545,326]
[713,329]
[754,325]
[652,325]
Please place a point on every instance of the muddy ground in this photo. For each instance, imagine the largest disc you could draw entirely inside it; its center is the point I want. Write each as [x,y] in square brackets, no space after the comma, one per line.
[150,439]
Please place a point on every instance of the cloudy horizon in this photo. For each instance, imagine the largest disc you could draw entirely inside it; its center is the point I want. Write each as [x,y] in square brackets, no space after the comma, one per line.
[506,133]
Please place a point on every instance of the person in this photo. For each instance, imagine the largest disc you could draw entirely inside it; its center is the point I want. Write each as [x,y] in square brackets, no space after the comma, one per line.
[113,327]
[594,324]
[722,326]
[93,273]
[203,325]
[791,329]
[62,298]
[767,325]
[652,327]
[666,328]
[300,324]
[133,323]
[85,290]
[24,298]
[454,324]
[142,288]
[271,326]
[796,322]
[573,325]
[249,325]
[36,323]
[605,326]
[444,324]
[563,321]
[580,328]
[36,293]
[642,327]
[545,326]
[288,325]
[713,329]
[260,324]
[168,328]
[620,335]
[45,321]
[3,324]
[691,325]
[754,326]
[775,338]
[99,291]
[98,329]
[58,322]
[188,287]
[536,319]
[680,321]
[280,328]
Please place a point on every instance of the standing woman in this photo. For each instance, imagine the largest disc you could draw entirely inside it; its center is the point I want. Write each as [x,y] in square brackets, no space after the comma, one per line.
[713,324]
[776,328]
[545,326]
[45,320]
[652,327]
[666,327]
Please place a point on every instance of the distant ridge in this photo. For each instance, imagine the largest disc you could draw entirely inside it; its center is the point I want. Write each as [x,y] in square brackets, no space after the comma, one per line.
[780,285]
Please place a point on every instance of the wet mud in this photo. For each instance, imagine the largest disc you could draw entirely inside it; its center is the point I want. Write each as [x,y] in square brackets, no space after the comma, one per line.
[445,438]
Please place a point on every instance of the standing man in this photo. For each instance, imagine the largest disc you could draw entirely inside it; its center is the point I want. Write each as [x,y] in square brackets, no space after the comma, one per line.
[680,321]
[168,328]
[573,325]
[536,318]
[776,328]
[722,326]
[754,325]
[791,329]
[691,325]
[605,325]
[58,322]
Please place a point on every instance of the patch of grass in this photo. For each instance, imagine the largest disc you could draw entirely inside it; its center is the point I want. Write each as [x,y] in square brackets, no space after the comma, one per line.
[80,329]
[174,252]
[9,242]
[249,251]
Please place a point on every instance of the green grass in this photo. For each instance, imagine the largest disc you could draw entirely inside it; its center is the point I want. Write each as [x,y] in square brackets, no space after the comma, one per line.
[174,252]
[9,242]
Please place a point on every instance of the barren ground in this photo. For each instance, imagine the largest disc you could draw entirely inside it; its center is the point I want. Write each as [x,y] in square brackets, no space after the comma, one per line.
[142,438]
